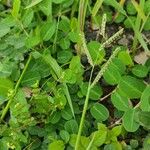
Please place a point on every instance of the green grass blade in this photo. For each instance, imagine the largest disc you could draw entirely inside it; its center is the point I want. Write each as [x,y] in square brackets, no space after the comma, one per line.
[33,3]
[139,37]
[58,72]
[96,7]
[116,5]
[82,13]
[139,10]
[53,64]
[66,91]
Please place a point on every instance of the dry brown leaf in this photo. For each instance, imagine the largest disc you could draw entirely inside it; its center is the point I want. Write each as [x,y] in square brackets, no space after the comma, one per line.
[141,58]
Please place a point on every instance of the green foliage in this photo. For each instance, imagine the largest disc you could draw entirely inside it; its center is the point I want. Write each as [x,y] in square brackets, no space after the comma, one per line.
[131,87]
[58,87]
[144,118]
[99,137]
[134,143]
[95,93]
[146,142]
[46,7]
[71,126]
[4,29]
[113,74]
[47,30]
[125,57]
[64,135]
[145,99]
[140,71]
[5,86]
[131,9]
[56,145]
[129,120]
[97,53]
[99,112]
[146,26]
[122,103]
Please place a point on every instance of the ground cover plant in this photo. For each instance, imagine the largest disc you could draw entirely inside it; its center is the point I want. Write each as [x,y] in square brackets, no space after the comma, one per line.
[74,74]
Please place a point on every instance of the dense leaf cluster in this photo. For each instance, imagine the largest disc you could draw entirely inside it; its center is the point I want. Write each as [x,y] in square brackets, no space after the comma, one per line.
[46,68]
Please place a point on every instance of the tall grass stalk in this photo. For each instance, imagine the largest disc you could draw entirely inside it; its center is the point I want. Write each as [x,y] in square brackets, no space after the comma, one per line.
[82,13]
[90,86]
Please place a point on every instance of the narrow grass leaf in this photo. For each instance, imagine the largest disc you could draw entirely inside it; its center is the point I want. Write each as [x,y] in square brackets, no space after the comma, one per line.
[139,37]
[33,3]
[143,43]
[97,6]
[116,5]
[139,10]
[66,91]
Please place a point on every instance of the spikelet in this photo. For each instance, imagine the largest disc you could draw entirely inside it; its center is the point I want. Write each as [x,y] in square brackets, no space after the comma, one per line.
[103,25]
[104,68]
[86,50]
[113,38]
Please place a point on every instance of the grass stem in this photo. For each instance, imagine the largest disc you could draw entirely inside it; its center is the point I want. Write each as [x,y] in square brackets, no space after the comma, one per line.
[5,110]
